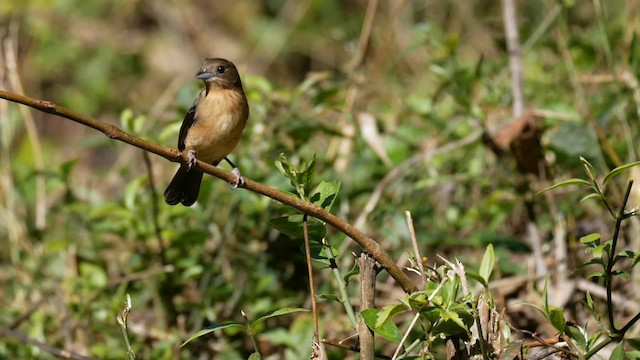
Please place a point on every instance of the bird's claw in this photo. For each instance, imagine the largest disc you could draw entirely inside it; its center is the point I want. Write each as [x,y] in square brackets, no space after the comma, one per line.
[192,159]
[239,179]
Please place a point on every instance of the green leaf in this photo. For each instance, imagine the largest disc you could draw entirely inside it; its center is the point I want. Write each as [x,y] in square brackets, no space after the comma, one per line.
[589,170]
[591,238]
[545,298]
[319,252]
[355,270]
[556,316]
[330,297]
[287,169]
[574,181]
[592,307]
[325,194]
[591,196]
[634,343]
[274,313]
[387,330]
[618,352]
[389,312]
[475,276]
[620,273]
[615,172]
[578,334]
[486,265]
[305,177]
[292,226]
[255,356]
[594,261]
[212,328]
[595,274]
[454,321]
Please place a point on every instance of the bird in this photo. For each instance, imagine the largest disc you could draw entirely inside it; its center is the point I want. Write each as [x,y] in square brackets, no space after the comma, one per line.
[211,129]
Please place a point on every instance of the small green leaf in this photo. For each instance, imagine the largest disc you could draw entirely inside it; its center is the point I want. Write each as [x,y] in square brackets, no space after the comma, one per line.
[475,276]
[287,169]
[389,312]
[615,172]
[486,265]
[578,334]
[325,194]
[634,343]
[591,238]
[255,356]
[618,352]
[595,274]
[591,196]
[330,297]
[589,170]
[594,261]
[274,313]
[592,307]
[556,317]
[355,270]
[292,226]
[574,181]
[212,328]
[620,273]
[545,298]
[387,330]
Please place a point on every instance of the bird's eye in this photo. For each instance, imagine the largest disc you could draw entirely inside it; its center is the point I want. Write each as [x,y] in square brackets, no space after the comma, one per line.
[220,69]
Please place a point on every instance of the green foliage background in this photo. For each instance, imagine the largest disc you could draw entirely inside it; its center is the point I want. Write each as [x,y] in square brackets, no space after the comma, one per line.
[434,73]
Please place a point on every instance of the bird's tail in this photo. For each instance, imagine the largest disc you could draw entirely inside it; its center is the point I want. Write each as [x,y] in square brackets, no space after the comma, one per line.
[184,188]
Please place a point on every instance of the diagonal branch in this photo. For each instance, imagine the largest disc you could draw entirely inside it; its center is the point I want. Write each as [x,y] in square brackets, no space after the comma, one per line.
[113,132]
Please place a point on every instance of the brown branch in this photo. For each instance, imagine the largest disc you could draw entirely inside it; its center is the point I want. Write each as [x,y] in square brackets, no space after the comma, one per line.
[113,132]
[367,301]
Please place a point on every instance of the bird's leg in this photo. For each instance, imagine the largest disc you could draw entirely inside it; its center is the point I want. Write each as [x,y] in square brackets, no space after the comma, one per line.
[239,179]
[191,154]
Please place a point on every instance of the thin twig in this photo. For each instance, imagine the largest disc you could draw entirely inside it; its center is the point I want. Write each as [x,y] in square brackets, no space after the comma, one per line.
[515,55]
[312,288]
[406,335]
[368,244]
[416,249]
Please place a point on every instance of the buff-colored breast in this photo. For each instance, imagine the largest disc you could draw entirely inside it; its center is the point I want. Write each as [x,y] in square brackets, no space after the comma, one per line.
[219,120]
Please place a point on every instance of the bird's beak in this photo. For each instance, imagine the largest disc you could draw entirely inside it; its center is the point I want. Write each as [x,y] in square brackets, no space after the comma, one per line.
[204,75]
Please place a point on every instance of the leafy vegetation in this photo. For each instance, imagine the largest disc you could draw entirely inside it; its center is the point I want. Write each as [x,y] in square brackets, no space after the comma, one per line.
[407,115]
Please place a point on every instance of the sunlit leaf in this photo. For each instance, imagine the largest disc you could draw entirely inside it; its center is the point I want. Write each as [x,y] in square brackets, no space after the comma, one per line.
[594,195]
[387,330]
[486,265]
[556,317]
[574,181]
[615,172]
[618,352]
[212,328]
[591,238]
[325,194]
[292,226]
[274,313]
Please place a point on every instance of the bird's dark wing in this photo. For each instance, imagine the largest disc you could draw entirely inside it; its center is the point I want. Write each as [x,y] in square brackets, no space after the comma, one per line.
[188,121]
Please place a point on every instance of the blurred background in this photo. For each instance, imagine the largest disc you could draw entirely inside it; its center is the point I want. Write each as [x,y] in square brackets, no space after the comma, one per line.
[407,103]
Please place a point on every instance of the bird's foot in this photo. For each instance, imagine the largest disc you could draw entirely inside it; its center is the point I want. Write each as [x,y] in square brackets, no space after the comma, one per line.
[239,179]
[192,159]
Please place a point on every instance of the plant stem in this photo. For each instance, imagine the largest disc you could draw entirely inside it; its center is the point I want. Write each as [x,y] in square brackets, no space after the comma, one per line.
[342,287]
[312,288]
[608,277]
